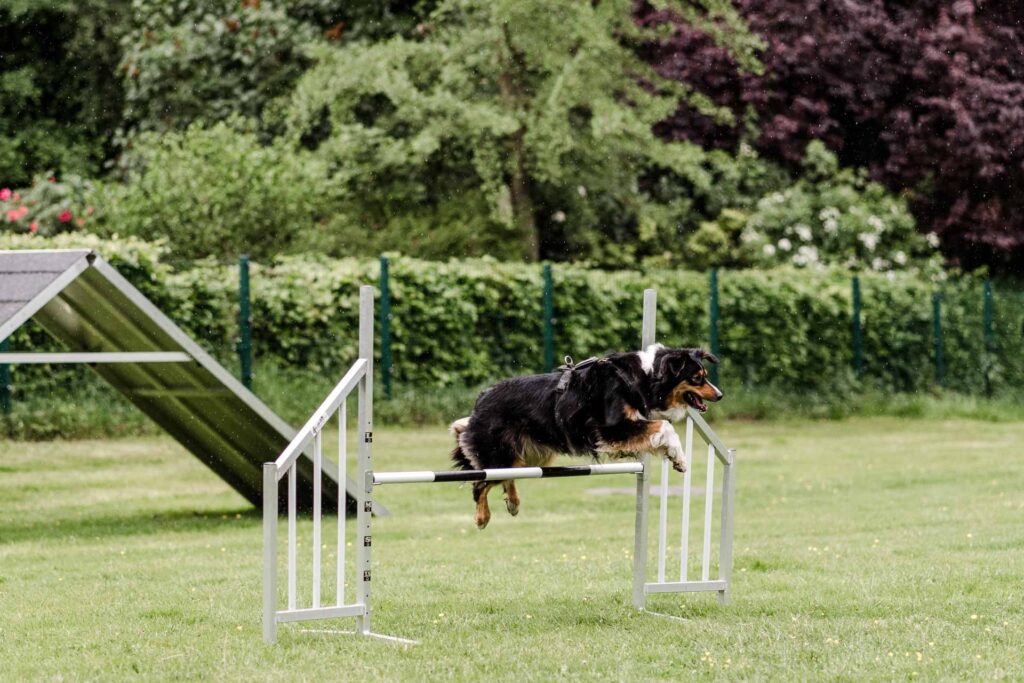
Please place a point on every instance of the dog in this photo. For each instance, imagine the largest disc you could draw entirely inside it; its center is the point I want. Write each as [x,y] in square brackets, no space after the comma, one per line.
[620,404]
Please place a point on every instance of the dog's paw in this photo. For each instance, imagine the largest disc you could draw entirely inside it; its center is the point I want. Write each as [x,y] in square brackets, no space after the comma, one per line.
[676,454]
[481,521]
[512,506]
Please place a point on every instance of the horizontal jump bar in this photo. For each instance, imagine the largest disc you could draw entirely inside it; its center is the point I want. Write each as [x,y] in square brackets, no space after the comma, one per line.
[506,473]
[98,357]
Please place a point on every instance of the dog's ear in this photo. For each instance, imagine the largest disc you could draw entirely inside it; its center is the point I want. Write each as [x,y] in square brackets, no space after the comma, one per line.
[700,355]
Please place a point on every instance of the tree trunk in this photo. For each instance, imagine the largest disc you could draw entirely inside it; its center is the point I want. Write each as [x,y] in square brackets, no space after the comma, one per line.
[519,183]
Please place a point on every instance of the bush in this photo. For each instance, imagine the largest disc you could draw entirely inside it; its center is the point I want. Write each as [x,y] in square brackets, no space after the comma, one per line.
[469,322]
[827,216]
[49,207]
[214,191]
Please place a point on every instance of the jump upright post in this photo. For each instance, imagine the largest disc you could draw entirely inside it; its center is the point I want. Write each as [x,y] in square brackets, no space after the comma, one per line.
[309,443]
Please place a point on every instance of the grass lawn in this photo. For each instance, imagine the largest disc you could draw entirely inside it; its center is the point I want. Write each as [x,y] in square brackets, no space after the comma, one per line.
[865,549]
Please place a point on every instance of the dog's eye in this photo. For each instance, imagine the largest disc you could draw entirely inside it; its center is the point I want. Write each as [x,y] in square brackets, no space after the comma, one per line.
[697,380]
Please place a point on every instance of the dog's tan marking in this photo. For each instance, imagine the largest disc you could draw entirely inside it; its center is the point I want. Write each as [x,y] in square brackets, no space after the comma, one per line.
[706,391]
[511,497]
[641,442]
[533,454]
[658,435]
[483,510]
[631,413]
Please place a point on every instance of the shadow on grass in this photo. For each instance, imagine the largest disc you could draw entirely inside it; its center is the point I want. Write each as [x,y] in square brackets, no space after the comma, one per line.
[138,523]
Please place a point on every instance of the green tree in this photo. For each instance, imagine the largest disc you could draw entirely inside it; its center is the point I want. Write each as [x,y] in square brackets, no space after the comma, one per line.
[60,101]
[533,117]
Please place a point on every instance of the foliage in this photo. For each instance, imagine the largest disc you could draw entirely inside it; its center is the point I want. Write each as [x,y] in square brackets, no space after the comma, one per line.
[827,216]
[471,321]
[50,206]
[59,103]
[214,191]
[204,60]
[926,95]
[486,118]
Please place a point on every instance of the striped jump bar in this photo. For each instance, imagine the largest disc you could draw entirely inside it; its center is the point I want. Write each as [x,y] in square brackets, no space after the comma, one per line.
[506,473]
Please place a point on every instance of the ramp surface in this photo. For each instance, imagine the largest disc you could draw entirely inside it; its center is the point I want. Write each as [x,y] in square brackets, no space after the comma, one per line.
[85,303]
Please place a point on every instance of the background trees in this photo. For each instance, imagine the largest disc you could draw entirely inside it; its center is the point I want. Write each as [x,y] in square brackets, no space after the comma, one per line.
[927,95]
[519,129]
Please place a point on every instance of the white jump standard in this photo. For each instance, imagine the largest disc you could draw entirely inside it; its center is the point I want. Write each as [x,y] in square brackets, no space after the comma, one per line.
[359,378]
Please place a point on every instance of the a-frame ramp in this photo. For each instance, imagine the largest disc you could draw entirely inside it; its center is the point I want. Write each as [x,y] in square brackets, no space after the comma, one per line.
[104,321]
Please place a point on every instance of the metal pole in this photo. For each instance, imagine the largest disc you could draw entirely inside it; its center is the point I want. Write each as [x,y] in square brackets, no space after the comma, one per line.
[385,325]
[5,380]
[858,336]
[244,322]
[364,478]
[713,322]
[940,370]
[725,534]
[643,483]
[549,319]
[987,315]
[269,553]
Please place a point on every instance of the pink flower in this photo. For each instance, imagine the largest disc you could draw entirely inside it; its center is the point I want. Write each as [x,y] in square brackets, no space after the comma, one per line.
[12,215]
[34,227]
[22,210]
[5,194]
[65,216]
[79,222]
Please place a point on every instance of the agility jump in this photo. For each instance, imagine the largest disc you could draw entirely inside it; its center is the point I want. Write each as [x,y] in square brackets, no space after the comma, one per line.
[359,378]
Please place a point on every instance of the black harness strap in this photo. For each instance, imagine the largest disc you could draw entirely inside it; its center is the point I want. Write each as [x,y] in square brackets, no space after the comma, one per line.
[568,368]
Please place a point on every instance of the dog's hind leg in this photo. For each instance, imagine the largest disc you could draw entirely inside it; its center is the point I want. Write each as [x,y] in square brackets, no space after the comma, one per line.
[511,497]
[483,511]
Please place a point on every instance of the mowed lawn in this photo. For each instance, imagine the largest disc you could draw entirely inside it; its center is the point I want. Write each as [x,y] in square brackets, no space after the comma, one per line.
[873,549]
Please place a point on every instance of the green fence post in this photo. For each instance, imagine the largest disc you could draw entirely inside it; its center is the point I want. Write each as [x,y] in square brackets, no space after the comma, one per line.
[385,325]
[244,323]
[987,315]
[5,380]
[713,321]
[549,319]
[940,369]
[858,335]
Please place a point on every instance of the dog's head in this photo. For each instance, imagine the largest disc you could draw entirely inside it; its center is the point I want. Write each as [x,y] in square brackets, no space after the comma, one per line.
[679,379]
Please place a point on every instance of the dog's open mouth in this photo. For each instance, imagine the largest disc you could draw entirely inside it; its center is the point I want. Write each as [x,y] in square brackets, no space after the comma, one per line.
[695,401]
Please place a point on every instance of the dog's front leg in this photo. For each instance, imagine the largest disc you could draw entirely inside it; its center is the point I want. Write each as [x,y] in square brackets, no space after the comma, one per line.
[657,435]
[666,438]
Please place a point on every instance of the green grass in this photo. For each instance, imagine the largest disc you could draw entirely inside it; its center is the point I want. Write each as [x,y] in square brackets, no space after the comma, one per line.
[873,549]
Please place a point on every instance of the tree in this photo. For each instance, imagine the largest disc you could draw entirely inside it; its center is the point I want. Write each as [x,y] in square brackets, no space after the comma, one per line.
[531,119]
[59,101]
[928,95]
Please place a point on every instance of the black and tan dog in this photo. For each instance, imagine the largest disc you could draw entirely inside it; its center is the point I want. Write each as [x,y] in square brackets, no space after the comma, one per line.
[622,403]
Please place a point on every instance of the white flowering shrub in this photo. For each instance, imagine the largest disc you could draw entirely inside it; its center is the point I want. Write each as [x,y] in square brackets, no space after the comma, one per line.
[829,216]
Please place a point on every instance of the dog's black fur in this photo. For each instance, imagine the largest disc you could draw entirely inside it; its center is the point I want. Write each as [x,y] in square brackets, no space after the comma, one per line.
[615,405]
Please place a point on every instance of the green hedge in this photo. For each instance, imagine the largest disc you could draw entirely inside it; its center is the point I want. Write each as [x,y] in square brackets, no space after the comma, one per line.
[469,322]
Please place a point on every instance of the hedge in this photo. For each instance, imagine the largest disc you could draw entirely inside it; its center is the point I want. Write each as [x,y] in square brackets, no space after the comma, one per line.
[471,321]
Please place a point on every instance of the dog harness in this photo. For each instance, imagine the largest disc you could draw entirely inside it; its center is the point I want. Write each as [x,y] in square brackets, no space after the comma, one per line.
[568,368]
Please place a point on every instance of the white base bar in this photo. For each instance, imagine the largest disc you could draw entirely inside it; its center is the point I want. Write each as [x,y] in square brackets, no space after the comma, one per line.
[685,586]
[368,634]
[320,613]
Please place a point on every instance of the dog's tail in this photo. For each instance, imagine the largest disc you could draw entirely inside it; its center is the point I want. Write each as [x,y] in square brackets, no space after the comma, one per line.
[457,428]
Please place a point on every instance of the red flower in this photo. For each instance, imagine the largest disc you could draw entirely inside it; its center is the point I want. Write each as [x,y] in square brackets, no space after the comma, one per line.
[34,227]
[21,210]
[65,216]
[5,194]
[12,215]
